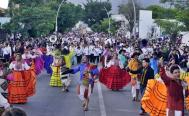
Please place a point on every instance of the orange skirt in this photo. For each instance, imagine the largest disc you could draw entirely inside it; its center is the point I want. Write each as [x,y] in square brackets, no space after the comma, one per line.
[31,82]
[154,100]
[17,88]
[22,86]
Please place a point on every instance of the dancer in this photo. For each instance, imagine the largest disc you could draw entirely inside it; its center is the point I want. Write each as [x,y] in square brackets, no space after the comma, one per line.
[65,78]
[88,74]
[56,68]
[114,77]
[17,87]
[175,103]
[134,69]
[147,74]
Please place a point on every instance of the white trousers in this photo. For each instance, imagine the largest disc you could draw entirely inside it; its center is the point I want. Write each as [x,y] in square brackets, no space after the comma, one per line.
[82,92]
[3,102]
[134,88]
[66,81]
[177,113]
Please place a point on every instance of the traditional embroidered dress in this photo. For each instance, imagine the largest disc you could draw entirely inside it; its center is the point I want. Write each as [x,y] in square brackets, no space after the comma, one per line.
[55,78]
[86,84]
[154,101]
[27,57]
[114,77]
[48,60]
[31,85]
[134,66]
[85,87]
[18,87]
[39,63]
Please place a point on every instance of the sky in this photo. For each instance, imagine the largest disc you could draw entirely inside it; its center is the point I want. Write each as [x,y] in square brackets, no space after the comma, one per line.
[116,3]
[4,4]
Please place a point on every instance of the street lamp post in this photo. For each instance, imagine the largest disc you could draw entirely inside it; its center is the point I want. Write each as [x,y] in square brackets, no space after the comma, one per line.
[134,28]
[56,28]
[109,26]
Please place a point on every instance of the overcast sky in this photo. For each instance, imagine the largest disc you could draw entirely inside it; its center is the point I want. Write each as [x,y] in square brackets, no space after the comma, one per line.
[116,3]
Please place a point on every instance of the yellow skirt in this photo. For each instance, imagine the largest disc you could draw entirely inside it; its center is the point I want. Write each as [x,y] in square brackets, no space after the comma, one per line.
[154,100]
[55,78]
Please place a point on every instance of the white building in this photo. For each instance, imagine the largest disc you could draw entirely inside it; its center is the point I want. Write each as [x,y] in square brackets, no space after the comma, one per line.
[185,38]
[147,26]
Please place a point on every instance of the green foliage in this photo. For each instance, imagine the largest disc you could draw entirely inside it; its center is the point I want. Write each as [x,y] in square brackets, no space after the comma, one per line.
[180,4]
[163,13]
[40,18]
[128,12]
[170,27]
[104,25]
[69,16]
[95,11]
[183,16]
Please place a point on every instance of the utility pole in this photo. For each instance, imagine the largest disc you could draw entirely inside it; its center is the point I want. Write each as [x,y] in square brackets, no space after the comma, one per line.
[56,28]
[109,25]
[134,9]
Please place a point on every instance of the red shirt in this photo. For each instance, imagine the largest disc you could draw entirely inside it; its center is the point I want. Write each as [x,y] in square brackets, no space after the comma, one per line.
[175,95]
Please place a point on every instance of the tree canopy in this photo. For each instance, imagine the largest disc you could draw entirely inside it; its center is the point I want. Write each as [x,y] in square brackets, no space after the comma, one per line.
[95,11]
[128,12]
[39,19]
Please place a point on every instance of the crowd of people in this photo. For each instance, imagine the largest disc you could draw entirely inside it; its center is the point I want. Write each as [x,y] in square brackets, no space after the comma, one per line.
[155,69]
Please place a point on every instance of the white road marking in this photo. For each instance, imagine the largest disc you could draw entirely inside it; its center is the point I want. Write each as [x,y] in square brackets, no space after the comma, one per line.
[101,100]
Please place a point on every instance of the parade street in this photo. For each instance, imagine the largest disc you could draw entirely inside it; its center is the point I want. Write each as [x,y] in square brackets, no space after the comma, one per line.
[50,101]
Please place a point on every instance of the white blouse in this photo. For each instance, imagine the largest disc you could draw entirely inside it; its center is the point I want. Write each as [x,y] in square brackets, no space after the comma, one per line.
[24,66]
[28,56]
[112,62]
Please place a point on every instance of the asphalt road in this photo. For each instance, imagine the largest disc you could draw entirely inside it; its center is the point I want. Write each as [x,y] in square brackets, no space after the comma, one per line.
[51,101]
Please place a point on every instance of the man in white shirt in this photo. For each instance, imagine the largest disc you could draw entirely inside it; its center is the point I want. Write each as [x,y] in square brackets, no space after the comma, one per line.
[7,52]
[79,53]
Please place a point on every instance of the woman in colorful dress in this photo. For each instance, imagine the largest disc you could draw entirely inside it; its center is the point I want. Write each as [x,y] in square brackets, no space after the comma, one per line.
[114,77]
[39,63]
[17,88]
[134,69]
[56,68]
[164,96]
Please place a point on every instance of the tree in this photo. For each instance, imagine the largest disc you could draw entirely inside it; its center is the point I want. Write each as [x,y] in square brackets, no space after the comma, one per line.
[183,16]
[181,4]
[171,28]
[33,21]
[95,11]
[128,12]
[159,12]
[69,16]
[40,18]
[104,25]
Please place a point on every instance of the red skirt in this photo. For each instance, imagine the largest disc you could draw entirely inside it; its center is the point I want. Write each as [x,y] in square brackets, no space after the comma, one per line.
[114,77]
